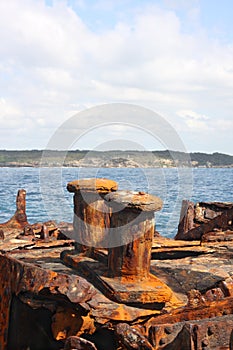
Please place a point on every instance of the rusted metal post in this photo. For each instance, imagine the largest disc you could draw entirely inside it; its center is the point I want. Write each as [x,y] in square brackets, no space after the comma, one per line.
[19,219]
[91,214]
[132,231]
[187,216]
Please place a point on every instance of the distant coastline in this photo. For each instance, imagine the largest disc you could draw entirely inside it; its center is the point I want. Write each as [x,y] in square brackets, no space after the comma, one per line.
[113,159]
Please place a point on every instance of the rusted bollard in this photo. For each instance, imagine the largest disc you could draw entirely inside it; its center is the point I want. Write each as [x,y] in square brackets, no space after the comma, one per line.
[126,218]
[91,214]
[132,231]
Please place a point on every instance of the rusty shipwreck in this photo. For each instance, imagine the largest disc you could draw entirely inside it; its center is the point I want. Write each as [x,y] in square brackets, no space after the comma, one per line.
[111,282]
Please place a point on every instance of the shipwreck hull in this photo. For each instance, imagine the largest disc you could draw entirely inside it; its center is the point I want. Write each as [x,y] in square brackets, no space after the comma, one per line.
[54,297]
[44,302]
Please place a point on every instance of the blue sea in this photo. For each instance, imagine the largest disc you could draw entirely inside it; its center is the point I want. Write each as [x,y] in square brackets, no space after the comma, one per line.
[48,199]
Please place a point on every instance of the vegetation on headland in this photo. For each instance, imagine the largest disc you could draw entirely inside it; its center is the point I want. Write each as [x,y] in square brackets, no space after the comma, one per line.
[110,159]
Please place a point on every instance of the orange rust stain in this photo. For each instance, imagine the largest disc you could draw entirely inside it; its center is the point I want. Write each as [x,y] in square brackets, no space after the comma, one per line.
[87,326]
[99,185]
[68,321]
[61,335]
[121,314]
[64,324]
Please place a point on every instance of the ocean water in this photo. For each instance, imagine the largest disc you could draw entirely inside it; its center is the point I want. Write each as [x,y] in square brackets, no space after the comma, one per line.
[48,199]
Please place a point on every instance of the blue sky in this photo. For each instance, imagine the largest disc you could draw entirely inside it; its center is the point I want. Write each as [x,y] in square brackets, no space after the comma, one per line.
[60,57]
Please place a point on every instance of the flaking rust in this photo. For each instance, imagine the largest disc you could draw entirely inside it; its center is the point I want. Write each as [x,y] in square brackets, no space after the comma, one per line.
[57,291]
[19,219]
[206,221]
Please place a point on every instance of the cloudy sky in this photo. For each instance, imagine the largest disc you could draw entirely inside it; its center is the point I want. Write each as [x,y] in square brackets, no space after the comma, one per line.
[59,57]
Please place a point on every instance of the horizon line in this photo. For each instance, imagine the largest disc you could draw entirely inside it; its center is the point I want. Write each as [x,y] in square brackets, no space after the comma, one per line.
[112,150]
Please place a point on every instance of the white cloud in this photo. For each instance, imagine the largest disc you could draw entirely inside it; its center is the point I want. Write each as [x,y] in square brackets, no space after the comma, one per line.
[195,121]
[224,125]
[10,115]
[51,62]
[192,115]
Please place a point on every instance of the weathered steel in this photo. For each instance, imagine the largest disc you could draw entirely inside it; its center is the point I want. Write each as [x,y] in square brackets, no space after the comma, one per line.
[19,219]
[132,230]
[208,334]
[204,218]
[73,302]
[132,224]
[101,185]
[186,218]
[78,343]
[91,214]
[132,259]
[131,338]
[126,279]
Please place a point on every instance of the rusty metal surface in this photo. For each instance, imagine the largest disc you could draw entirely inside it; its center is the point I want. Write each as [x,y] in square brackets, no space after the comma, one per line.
[202,219]
[209,334]
[131,338]
[101,185]
[134,200]
[91,222]
[53,298]
[130,291]
[19,219]
[42,277]
[126,277]
[131,259]
[78,344]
